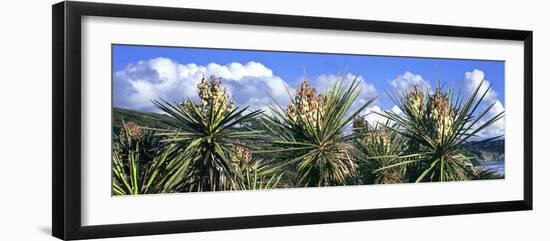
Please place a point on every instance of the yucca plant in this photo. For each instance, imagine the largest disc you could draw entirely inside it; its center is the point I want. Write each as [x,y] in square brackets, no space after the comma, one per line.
[377,147]
[255,174]
[436,127]
[480,173]
[312,135]
[207,132]
[141,165]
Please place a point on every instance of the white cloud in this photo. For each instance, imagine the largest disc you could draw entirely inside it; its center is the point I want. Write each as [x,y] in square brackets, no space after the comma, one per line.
[396,110]
[367,90]
[495,129]
[248,84]
[322,81]
[473,79]
[372,115]
[403,83]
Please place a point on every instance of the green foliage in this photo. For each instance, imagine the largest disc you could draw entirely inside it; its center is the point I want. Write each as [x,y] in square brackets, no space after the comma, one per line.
[377,146]
[141,164]
[317,140]
[480,173]
[255,174]
[436,128]
[143,119]
[206,133]
[310,134]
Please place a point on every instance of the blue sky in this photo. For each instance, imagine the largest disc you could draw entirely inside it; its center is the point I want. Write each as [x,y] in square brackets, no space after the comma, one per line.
[142,73]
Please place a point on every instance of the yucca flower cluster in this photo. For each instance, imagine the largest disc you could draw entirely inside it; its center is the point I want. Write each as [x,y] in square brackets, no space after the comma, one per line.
[213,96]
[441,115]
[241,154]
[378,135]
[415,99]
[307,106]
[131,131]
[359,124]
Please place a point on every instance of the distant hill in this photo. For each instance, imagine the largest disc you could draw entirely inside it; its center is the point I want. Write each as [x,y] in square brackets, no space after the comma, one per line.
[487,151]
[148,119]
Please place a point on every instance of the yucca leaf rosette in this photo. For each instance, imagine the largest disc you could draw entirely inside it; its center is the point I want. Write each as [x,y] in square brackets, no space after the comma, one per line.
[141,163]
[311,136]
[437,127]
[208,131]
[377,147]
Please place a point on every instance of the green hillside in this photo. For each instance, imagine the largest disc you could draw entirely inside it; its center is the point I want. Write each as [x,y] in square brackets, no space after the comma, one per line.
[148,119]
[486,151]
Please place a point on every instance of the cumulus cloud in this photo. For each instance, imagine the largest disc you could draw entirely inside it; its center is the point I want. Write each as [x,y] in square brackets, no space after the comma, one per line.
[248,84]
[396,110]
[473,79]
[403,83]
[497,128]
[372,115]
[367,90]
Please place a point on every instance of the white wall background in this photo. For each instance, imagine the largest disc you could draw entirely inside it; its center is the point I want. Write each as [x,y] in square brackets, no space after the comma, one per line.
[25,119]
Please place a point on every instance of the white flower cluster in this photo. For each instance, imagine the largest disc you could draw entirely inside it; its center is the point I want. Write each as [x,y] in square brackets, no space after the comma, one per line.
[133,133]
[416,101]
[441,114]
[213,95]
[307,106]
[240,154]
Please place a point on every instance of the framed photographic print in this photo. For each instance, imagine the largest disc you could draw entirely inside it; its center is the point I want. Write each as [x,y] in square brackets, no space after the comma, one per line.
[169,120]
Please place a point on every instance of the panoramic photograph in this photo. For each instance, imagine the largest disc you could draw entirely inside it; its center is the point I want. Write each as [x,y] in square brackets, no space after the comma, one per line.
[203,119]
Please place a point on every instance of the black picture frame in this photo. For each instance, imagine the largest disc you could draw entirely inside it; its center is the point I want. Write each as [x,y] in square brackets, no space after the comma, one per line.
[66,128]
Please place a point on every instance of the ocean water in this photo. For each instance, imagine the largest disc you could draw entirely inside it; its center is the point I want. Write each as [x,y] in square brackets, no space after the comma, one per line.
[497,166]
